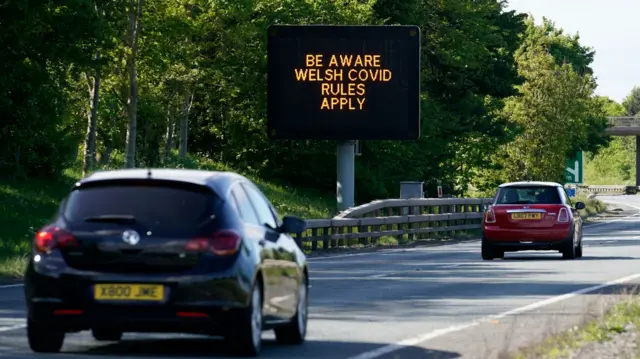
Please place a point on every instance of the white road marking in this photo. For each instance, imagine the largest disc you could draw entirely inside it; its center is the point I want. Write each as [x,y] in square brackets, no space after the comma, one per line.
[452,265]
[382,275]
[12,327]
[456,328]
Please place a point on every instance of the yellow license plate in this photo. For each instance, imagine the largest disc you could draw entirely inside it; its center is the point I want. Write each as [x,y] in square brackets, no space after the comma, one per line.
[136,292]
[526,215]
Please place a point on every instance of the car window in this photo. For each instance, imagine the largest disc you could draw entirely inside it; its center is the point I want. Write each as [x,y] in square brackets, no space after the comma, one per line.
[262,207]
[565,196]
[276,215]
[528,195]
[247,212]
[156,206]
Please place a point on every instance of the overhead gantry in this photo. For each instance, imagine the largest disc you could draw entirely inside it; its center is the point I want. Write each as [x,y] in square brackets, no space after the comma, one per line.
[627,126]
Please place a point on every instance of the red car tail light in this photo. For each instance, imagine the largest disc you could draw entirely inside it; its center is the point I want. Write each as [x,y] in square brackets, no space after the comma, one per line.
[51,237]
[67,312]
[222,243]
[490,216]
[563,215]
[192,314]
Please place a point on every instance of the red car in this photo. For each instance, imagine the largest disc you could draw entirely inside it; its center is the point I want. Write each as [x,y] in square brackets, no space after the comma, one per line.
[532,216]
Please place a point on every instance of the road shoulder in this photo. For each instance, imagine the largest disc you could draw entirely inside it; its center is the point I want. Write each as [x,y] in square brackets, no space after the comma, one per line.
[614,335]
[509,336]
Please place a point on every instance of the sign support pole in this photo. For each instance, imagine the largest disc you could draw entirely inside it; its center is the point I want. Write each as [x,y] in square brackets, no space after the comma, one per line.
[345,185]
[637,161]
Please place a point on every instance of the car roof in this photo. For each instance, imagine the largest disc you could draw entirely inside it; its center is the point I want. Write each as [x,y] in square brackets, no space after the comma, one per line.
[530,183]
[219,181]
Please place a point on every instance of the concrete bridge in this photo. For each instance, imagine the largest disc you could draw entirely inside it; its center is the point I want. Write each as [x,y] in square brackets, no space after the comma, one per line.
[624,126]
[627,126]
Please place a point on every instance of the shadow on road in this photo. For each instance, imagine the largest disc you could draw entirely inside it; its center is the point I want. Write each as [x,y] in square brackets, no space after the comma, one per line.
[514,258]
[214,348]
[617,242]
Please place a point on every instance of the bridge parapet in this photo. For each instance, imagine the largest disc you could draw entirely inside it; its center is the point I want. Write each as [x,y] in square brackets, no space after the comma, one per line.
[624,121]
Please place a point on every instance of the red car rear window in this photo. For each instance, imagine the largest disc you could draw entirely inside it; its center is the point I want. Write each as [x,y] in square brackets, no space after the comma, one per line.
[528,195]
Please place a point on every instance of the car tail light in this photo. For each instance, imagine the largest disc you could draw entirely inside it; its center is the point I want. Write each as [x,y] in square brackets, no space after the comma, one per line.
[222,243]
[51,237]
[67,312]
[490,216]
[563,215]
[192,315]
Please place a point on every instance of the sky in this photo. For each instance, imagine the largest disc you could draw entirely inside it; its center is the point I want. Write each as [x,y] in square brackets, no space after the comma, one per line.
[610,27]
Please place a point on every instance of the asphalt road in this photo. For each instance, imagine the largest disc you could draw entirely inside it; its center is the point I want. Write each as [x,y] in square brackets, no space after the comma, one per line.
[437,302]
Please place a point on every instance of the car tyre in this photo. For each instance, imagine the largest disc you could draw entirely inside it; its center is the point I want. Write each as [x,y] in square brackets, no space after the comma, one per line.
[579,250]
[570,250]
[245,338]
[488,253]
[44,338]
[295,331]
[106,335]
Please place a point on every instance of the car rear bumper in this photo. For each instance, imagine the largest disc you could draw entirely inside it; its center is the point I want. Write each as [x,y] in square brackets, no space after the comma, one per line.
[191,303]
[209,320]
[530,246]
[512,240]
[515,236]
[519,240]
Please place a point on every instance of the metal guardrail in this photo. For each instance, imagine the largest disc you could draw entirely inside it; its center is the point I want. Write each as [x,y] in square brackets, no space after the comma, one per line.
[624,121]
[413,218]
[608,189]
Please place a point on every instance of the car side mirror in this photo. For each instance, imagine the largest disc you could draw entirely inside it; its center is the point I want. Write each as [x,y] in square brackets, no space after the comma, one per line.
[293,224]
[580,205]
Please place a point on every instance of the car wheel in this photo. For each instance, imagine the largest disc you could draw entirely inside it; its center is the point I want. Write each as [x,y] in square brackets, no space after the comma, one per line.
[570,250]
[487,252]
[579,250]
[246,334]
[295,331]
[106,335]
[44,338]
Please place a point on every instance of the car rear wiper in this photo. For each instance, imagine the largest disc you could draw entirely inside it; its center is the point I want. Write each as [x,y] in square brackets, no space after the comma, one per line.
[116,218]
[207,220]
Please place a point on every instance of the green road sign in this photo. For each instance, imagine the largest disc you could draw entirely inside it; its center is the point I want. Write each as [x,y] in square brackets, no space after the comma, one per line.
[574,169]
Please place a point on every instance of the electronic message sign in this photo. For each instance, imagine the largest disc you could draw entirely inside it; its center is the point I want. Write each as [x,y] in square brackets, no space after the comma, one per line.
[343,82]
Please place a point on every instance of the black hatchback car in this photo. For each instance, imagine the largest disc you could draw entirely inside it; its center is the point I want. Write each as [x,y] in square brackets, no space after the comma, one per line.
[173,251]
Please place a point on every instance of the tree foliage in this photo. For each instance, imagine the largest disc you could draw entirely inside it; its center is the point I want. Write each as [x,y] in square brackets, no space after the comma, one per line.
[616,163]
[501,97]
[632,102]
[555,112]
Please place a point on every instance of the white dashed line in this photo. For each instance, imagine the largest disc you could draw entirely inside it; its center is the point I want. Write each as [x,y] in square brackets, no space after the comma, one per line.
[456,328]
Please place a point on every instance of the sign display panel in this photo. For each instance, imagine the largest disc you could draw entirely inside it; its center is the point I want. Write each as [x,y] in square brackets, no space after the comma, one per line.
[343,82]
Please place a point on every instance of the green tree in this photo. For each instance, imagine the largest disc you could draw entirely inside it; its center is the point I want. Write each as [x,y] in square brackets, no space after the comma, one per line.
[616,163]
[555,110]
[45,44]
[632,102]
[468,70]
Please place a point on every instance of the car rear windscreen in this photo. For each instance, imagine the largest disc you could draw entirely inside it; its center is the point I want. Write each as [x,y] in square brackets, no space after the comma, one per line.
[155,206]
[528,195]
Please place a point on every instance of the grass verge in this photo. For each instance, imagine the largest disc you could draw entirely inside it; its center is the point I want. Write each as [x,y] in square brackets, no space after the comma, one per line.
[27,205]
[613,323]
[593,205]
